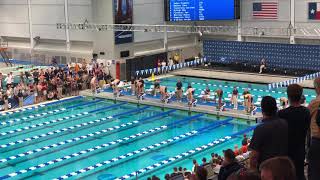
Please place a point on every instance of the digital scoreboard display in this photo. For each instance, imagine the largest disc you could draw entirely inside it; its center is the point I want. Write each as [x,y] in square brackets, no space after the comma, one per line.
[202,10]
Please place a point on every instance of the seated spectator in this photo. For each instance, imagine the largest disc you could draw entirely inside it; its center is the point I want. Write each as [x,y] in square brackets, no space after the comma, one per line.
[236,150]
[276,168]
[244,149]
[263,65]
[175,172]
[229,165]
[186,172]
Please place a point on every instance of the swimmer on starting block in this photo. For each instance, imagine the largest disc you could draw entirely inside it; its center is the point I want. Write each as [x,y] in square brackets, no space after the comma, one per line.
[234,98]
[165,96]
[250,104]
[191,101]
[179,90]
[284,102]
[140,89]
[156,87]
[206,94]
[219,93]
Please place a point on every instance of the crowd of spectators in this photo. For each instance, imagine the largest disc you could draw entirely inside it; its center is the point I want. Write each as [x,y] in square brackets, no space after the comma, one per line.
[51,83]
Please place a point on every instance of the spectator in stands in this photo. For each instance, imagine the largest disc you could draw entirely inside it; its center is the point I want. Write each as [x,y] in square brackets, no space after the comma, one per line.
[204,162]
[186,172]
[201,173]
[229,165]
[270,139]
[298,119]
[214,159]
[195,166]
[234,98]
[180,170]
[263,65]
[179,90]
[20,97]
[236,150]
[314,151]
[175,172]
[244,140]
[167,177]
[9,79]
[170,62]
[278,168]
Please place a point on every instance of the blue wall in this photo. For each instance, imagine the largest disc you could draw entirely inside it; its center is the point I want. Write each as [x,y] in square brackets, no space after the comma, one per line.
[282,56]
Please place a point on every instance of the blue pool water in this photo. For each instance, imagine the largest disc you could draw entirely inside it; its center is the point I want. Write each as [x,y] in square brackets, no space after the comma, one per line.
[257,90]
[100,139]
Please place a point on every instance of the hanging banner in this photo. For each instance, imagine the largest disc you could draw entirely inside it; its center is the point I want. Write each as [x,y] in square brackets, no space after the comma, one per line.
[123,14]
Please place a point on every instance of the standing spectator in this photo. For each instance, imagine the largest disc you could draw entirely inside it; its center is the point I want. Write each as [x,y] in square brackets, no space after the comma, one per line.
[204,162]
[278,168]
[195,166]
[201,173]
[229,165]
[314,151]
[20,97]
[270,139]
[9,79]
[298,119]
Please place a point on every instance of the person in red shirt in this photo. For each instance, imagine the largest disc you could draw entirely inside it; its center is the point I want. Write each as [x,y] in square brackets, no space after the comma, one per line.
[236,150]
[244,149]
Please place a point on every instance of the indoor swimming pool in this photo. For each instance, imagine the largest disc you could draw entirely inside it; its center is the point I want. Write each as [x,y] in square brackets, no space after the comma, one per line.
[84,138]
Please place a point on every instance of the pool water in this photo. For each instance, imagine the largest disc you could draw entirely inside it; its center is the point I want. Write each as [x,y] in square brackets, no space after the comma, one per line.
[84,138]
[200,84]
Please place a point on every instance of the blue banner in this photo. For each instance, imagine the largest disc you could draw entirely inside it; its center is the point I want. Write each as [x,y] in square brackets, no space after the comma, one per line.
[123,12]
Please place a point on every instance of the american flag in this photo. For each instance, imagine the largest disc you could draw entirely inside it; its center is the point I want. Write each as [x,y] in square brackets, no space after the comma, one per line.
[265,10]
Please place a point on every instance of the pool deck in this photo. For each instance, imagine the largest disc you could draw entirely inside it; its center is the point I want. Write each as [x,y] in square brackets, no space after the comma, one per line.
[238,76]
[175,105]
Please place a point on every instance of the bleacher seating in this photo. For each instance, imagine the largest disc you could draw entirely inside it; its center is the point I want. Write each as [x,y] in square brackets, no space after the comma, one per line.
[298,59]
